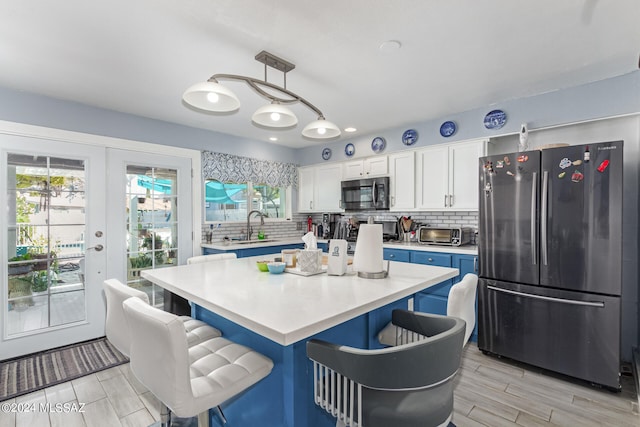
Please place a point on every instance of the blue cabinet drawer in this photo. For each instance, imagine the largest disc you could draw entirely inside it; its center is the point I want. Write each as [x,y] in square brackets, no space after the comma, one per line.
[431,258]
[396,255]
[428,303]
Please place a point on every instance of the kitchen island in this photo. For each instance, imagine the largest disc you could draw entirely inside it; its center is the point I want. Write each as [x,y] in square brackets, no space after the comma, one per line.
[277,314]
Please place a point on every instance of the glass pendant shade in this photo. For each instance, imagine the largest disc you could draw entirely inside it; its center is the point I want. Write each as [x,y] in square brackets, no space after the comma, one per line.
[274,116]
[211,96]
[321,129]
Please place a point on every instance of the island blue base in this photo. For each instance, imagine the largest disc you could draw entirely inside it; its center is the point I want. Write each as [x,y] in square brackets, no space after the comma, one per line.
[285,397]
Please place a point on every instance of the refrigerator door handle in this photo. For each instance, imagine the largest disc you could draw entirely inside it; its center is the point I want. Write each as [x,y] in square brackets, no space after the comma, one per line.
[534,209]
[599,304]
[543,217]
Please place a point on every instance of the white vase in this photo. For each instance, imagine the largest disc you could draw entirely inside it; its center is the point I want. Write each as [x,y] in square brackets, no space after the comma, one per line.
[524,138]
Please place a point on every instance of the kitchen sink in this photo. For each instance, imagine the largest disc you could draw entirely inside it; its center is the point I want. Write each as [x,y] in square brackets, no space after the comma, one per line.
[250,242]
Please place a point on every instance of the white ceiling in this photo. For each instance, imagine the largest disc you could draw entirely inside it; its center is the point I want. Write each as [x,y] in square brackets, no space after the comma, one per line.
[139,56]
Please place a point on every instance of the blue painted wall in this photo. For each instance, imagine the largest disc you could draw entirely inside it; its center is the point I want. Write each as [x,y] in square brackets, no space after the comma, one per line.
[605,98]
[23,107]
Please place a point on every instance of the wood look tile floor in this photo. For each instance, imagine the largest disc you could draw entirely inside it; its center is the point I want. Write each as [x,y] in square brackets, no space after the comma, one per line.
[489,392]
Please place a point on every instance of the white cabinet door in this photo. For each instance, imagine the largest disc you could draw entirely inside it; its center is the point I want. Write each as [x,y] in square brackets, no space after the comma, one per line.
[353,169]
[327,188]
[447,176]
[432,178]
[376,166]
[306,188]
[402,180]
[463,175]
[366,168]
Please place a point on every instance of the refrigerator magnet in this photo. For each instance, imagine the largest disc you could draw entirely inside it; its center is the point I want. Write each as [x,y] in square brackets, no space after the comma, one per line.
[565,163]
[561,175]
[522,158]
[507,161]
[603,166]
[577,176]
[500,164]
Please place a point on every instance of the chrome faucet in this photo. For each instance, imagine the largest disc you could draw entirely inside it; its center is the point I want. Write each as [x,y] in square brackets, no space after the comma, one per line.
[249,229]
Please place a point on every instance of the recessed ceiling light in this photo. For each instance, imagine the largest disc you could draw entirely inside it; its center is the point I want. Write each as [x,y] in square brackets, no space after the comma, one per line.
[390,46]
[350,129]
[273,138]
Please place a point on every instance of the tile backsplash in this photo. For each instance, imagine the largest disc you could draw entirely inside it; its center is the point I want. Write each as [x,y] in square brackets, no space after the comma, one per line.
[289,229]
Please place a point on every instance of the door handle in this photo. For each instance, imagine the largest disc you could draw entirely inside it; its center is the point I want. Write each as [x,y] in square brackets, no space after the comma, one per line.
[598,304]
[534,209]
[543,217]
[96,248]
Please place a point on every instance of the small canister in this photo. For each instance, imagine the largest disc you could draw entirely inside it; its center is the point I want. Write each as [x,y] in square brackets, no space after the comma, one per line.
[289,257]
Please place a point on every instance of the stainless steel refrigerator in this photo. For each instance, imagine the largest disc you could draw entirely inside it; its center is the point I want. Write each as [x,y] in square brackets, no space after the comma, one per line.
[550,256]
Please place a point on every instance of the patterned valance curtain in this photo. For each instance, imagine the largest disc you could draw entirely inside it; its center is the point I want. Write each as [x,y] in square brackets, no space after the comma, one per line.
[230,168]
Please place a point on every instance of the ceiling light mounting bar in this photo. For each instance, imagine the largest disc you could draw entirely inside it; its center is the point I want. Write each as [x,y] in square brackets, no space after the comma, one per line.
[255,85]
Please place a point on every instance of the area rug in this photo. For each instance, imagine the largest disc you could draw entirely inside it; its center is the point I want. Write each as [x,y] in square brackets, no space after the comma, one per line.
[39,370]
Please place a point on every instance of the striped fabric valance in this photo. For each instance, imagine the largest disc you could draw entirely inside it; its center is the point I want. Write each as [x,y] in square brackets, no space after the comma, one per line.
[238,169]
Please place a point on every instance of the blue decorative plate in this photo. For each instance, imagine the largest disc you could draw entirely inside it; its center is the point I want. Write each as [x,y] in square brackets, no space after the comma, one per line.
[495,119]
[409,137]
[326,153]
[349,150]
[447,129]
[378,144]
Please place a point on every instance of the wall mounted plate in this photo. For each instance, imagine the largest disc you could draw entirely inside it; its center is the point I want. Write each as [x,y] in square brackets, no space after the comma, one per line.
[378,144]
[326,153]
[495,119]
[447,129]
[349,150]
[409,137]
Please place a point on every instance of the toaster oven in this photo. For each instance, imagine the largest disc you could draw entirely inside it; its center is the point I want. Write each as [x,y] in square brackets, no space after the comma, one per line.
[449,236]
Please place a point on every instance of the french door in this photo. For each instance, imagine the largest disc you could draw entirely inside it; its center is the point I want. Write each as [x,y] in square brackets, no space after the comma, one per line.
[77,214]
[54,233]
[152,195]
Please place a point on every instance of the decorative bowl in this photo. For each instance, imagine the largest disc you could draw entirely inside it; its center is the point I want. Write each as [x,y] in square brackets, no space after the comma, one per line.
[276,267]
[262,265]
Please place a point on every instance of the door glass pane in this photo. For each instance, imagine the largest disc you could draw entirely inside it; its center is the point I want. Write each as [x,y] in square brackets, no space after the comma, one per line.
[152,228]
[46,227]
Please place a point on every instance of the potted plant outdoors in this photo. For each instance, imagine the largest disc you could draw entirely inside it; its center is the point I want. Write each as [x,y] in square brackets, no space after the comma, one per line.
[20,267]
[154,242]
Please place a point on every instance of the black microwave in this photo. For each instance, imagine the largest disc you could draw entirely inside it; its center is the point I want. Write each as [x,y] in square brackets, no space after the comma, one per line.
[366,194]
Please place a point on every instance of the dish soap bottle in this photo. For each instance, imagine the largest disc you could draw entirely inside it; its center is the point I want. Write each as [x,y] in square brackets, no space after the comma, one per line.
[260,235]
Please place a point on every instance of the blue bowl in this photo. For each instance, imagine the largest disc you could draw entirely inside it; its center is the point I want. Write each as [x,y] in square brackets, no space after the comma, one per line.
[276,267]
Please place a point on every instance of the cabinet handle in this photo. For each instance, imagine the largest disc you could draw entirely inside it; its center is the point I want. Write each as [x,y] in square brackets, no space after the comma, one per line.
[310,204]
[393,201]
[475,264]
[445,200]
[450,200]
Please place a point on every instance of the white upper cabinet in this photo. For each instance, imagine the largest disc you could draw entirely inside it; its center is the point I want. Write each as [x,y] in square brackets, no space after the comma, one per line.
[365,168]
[319,188]
[447,177]
[402,181]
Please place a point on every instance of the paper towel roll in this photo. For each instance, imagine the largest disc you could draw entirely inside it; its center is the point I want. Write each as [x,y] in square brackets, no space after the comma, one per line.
[368,254]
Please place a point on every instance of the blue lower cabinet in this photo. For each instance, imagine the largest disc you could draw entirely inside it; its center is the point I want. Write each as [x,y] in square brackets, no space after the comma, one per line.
[396,255]
[430,303]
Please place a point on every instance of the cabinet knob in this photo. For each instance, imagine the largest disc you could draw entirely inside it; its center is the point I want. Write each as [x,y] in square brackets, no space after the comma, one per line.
[392,256]
[430,259]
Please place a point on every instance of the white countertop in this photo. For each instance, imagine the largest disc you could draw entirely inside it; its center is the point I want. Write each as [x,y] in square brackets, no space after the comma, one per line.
[235,245]
[287,308]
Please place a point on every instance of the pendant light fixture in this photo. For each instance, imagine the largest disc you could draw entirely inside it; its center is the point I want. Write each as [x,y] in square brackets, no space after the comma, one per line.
[214,97]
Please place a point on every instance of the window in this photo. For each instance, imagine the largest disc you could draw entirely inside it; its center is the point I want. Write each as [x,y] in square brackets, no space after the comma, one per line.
[228,201]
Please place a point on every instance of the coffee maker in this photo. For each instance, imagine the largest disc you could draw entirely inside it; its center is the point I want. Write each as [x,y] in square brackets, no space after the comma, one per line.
[329,225]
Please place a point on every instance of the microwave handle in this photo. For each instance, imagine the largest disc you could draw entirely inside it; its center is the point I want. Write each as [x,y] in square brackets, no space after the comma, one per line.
[374,193]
